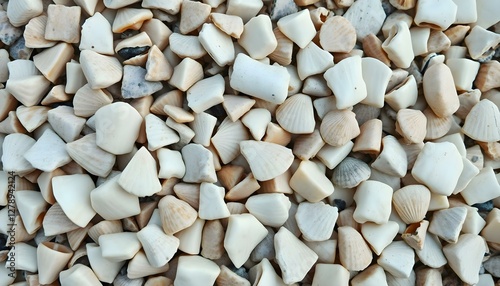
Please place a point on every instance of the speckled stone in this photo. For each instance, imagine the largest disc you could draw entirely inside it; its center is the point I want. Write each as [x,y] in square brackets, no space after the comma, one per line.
[282,8]
[134,84]
[492,265]
[19,51]
[127,53]
[8,33]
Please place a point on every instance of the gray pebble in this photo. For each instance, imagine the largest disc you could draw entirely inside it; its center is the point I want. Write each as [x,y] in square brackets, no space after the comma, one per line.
[134,85]
[492,265]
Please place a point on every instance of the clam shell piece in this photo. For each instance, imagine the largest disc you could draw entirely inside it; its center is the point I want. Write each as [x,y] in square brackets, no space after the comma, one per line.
[337,35]
[412,202]
[448,223]
[403,95]
[398,259]
[158,246]
[294,258]
[25,82]
[482,188]
[376,76]
[296,114]
[431,253]
[158,68]
[65,123]
[412,125]
[439,90]
[464,72]
[419,40]
[76,204]
[437,127]
[325,274]
[56,222]
[481,122]
[51,259]
[258,38]
[230,24]
[34,33]
[79,274]
[372,46]
[345,79]
[266,160]
[97,35]
[196,270]
[480,41]
[101,71]
[428,11]
[316,220]
[31,207]
[186,73]
[355,254]
[373,202]
[310,182]
[374,274]
[158,134]
[206,93]
[227,139]
[307,146]
[31,117]
[227,277]
[267,82]
[256,120]
[87,154]
[398,45]
[203,125]
[143,166]
[370,137]
[20,12]
[120,246]
[87,100]
[312,60]
[264,273]
[290,26]
[212,243]
[490,232]
[193,15]
[283,52]
[438,166]
[338,127]
[350,173]
[218,44]
[171,164]
[212,205]
[48,153]
[392,160]
[130,18]
[243,233]
[465,257]
[415,234]
[379,236]
[112,202]
[269,209]
[25,257]
[104,227]
[50,68]
[175,214]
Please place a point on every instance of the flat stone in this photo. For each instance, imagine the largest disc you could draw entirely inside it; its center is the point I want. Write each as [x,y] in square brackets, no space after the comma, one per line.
[8,33]
[134,84]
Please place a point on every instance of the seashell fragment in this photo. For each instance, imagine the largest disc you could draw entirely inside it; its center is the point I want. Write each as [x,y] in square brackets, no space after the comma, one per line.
[338,127]
[228,277]
[392,160]
[412,125]
[34,33]
[196,270]
[370,137]
[337,35]
[283,52]
[447,223]
[465,257]
[310,182]
[130,18]
[159,247]
[88,155]
[121,246]
[313,60]
[345,79]
[254,78]
[398,259]
[316,220]
[354,253]
[439,90]
[350,173]
[374,274]
[412,202]
[51,260]
[415,234]
[398,45]
[269,209]
[87,100]
[373,202]
[427,14]
[206,93]
[193,155]
[175,214]
[258,38]
[112,202]
[266,160]
[256,120]
[482,188]
[48,153]
[294,258]
[79,274]
[379,236]
[245,9]
[56,222]
[212,205]
[243,233]
[101,71]
[464,72]
[20,12]
[25,82]
[227,139]
[476,126]
[32,208]
[157,66]
[193,15]
[218,44]
[325,274]
[290,26]
[296,114]
[97,35]
[63,23]
[376,76]
[230,24]
[487,77]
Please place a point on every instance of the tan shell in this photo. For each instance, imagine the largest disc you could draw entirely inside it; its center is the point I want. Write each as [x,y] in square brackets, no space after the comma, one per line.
[337,35]
[488,76]
[436,127]
[175,214]
[373,48]
[283,52]
[354,252]
[296,114]
[411,124]
[227,139]
[456,34]
[339,126]
[412,202]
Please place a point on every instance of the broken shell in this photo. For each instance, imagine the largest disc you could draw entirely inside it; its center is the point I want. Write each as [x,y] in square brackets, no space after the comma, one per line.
[196,270]
[337,35]
[31,207]
[25,79]
[227,139]
[229,24]
[376,76]
[56,222]
[294,258]
[471,249]
[313,60]
[109,209]
[428,11]
[218,45]
[238,243]
[119,246]
[192,154]
[373,202]
[398,259]
[403,95]
[325,274]
[411,124]
[256,120]
[476,126]
[79,274]
[97,35]
[20,12]
[354,253]
[447,223]
[101,71]
[379,236]
[211,203]
[266,160]
[403,4]
[175,214]
[269,209]
[398,45]
[283,52]
[439,90]
[372,46]
[464,72]
[244,188]
[350,173]
[345,79]
[296,114]
[87,154]
[273,80]
[482,188]
[300,21]
[392,160]
[338,127]
[31,117]
[367,16]
[48,153]
[130,18]
[227,277]
[310,182]
[34,33]
[419,40]
[438,42]
[186,46]
[369,139]
[437,127]
[87,100]
[51,259]
[316,220]
[258,38]
[412,202]
[158,246]
[50,68]
[480,41]
[487,77]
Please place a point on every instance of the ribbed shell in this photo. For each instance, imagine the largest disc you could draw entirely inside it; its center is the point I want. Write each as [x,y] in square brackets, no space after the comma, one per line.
[283,52]
[337,35]
[203,126]
[411,124]
[373,48]
[85,152]
[175,214]
[34,33]
[339,126]
[350,173]
[436,127]
[296,114]
[412,202]
[227,139]
[266,160]
[173,97]
[483,122]
[87,101]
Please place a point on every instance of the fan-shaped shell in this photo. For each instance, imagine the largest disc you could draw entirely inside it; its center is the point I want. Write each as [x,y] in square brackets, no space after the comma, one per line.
[227,139]
[87,100]
[34,33]
[269,209]
[412,202]
[337,35]
[130,18]
[350,173]
[411,124]
[266,160]
[296,114]
[482,122]
[339,126]
[173,97]
[283,52]
[436,127]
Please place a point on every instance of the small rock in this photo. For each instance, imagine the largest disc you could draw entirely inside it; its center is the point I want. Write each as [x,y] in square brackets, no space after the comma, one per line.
[282,8]
[492,265]
[19,51]
[367,17]
[8,33]
[134,84]
[130,52]
[484,207]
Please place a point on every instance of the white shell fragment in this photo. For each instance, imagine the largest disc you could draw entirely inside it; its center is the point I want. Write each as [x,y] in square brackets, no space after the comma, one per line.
[140,175]
[266,160]
[346,81]
[373,202]
[290,26]
[465,256]
[97,35]
[398,259]
[448,223]
[217,44]
[270,209]
[316,220]
[48,153]
[212,205]
[310,182]
[101,71]
[112,202]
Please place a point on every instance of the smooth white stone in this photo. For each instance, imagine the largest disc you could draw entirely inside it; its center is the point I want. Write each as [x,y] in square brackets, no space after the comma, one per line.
[97,35]
[373,202]
[345,79]
[438,15]
[121,246]
[196,270]
[270,209]
[171,164]
[482,188]
[398,259]
[218,44]
[190,238]
[112,202]
[310,182]
[379,236]
[330,274]
[258,38]
[212,205]
[246,9]
[298,27]
[392,160]
[376,76]
[206,93]
[199,164]
[48,153]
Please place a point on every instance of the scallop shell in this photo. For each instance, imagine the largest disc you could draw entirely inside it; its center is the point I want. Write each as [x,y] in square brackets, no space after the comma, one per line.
[186,46]
[412,202]
[482,122]
[56,222]
[85,152]
[373,48]
[159,134]
[350,173]
[436,127]
[411,124]
[339,126]
[203,126]
[296,114]
[20,12]
[32,117]
[173,97]
[337,35]
[130,19]
[354,252]
[105,227]
[283,52]
[488,76]
[227,139]
[34,33]
[266,160]
[87,100]
[175,214]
